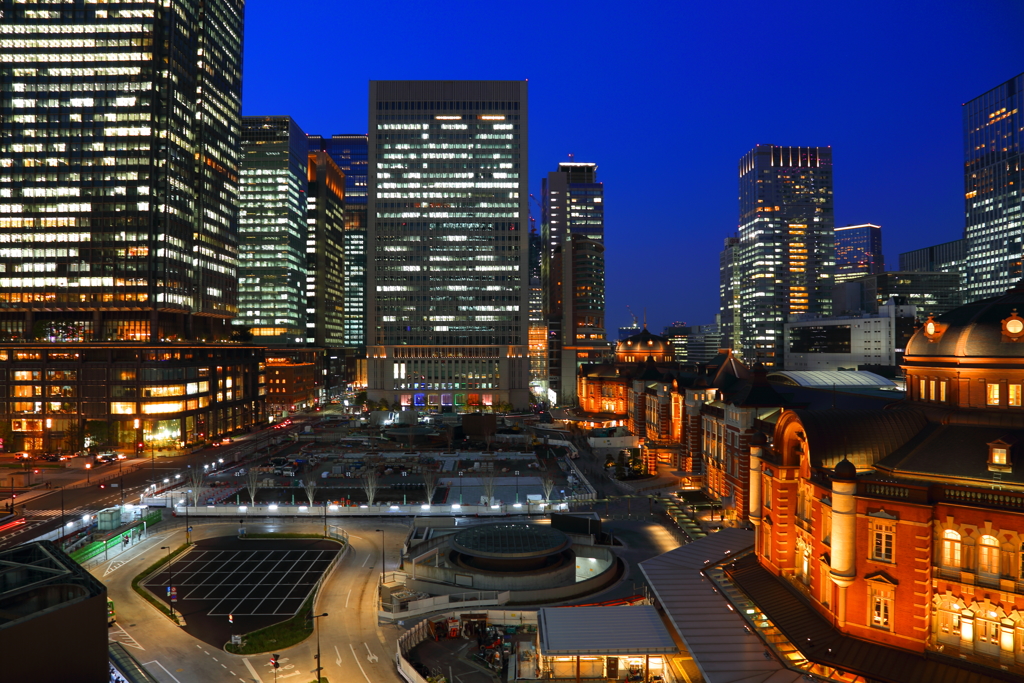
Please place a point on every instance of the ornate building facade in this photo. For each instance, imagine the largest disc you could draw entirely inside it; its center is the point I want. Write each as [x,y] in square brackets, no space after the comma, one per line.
[904,527]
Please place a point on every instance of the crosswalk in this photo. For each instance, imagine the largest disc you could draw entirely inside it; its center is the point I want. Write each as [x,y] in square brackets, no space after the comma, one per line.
[47,514]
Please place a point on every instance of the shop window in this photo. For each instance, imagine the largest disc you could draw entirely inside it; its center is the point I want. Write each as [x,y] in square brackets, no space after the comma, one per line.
[951,547]
[988,556]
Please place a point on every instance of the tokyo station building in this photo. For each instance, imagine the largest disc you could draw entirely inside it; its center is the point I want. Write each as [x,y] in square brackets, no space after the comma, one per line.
[880,533]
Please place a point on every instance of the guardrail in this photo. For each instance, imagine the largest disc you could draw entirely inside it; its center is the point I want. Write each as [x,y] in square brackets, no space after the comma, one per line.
[316,512]
[412,608]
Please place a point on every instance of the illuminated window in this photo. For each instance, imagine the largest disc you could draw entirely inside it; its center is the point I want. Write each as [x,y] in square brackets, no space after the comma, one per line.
[931,390]
[951,549]
[942,391]
[992,394]
[988,556]
[881,606]
[122,407]
[1014,395]
[882,541]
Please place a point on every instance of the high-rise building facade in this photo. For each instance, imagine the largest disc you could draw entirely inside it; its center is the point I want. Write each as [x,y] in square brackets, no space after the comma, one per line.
[572,225]
[349,152]
[787,243]
[993,175]
[931,293]
[947,257]
[272,230]
[325,253]
[118,171]
[119,167]
[729,293]
[538,330]
[447,235]
[859,251]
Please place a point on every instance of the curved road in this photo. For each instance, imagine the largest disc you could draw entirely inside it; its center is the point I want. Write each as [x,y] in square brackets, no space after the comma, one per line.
[354,647]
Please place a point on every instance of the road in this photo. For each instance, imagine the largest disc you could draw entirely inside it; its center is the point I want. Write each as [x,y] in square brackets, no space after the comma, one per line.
[353,646]
[78,491]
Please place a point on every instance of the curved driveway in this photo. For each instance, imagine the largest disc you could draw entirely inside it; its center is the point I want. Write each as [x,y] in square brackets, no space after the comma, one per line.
[355,648]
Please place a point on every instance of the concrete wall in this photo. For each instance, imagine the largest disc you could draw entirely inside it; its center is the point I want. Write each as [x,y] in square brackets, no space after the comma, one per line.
[477,580]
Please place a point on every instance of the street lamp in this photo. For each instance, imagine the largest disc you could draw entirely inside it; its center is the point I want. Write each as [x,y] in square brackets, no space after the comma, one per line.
[170,579]
[382,560]
[88,472]
[319,668]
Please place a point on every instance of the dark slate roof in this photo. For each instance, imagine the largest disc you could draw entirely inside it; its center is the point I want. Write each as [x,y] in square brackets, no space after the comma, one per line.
[821,643]
[862,436]
[959,451]
[824,399]
[974,329]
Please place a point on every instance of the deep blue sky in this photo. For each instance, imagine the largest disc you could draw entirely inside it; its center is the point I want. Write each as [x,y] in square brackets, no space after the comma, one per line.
[666,97]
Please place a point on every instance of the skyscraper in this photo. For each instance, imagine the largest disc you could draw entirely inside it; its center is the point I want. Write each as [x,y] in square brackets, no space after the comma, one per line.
[349,152]
[859,251]
[272,230]
[787,243]
[572,268]
[538,328]
[325,254]
[993,176]
[119,167]
[447,228]
[729,293]
[118,171]
[947,257]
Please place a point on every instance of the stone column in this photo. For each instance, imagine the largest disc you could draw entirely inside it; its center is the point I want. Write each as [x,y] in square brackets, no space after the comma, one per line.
[844,533]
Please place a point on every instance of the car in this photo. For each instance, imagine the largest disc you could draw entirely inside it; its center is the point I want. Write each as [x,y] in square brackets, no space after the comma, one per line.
[54,457]
[226,440]
[24,456]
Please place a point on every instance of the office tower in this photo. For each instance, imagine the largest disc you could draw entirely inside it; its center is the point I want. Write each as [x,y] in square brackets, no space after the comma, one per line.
[931,293]
[573,269]
[118,208]
[118,175]
[858,251]
[787,243]
[448,244]
[993,176]
[325,253]
[538,331]
[694,343]
[272,230]
[947,257]
[729,293]
[349,152]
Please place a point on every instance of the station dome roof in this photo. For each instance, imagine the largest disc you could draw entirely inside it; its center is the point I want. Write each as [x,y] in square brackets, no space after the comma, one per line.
[989,328]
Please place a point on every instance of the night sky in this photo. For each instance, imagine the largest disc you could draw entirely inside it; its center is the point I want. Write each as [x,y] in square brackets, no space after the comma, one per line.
[666,97]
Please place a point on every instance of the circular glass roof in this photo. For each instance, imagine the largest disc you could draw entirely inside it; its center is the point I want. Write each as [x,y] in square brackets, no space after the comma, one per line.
[512,540]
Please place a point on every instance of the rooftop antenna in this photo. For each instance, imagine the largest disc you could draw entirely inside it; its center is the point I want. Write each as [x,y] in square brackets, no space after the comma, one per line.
[572,157]
[645,317]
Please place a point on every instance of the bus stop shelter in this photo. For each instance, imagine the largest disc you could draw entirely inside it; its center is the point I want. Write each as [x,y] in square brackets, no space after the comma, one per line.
[603,642]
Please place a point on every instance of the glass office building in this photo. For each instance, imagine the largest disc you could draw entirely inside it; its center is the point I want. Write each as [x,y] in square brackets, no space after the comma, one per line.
[859,251]
[787,243]
[448,220]
[349,152]
[573,232]
[119,169]
[993,175]
[272,230]
[325,253]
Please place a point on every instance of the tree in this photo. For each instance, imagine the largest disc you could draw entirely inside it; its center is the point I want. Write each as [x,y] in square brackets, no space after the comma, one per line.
[75,435]
[243,334]
[620,466]
[430,484]
[196,477]
[449,434]
[252,483]
[489,482]
[371,481]
[310,488]
[361,400]
[97,432]
[547,484]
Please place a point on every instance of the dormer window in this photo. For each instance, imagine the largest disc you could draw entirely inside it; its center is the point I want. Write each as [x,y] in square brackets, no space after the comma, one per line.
[1000,455]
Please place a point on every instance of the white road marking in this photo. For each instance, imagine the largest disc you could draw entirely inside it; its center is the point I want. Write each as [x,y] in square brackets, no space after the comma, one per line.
[369,655]
[215,659]
[368,556]
[255,675]
[338,660]
[166,671]
[347,597]
[358,664]
[127,640]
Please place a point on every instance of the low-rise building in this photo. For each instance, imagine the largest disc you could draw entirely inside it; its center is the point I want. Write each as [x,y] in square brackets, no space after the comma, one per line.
[849,342]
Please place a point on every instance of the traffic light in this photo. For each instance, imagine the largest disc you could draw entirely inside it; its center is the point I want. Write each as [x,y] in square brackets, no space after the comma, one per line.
[273,660]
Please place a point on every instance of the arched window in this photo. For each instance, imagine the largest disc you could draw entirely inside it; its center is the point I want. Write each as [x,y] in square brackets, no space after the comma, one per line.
[951,549]
[988,556]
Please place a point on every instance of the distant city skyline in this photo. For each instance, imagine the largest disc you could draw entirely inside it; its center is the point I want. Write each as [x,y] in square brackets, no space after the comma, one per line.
[892,117]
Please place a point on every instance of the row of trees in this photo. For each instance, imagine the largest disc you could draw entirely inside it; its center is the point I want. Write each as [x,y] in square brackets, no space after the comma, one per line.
[371,484]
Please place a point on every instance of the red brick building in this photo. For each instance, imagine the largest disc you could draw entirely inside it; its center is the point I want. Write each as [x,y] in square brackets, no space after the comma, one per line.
[905,527]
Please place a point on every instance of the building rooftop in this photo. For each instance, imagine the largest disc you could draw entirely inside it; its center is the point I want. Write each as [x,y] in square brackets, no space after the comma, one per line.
[622,630]
[831,378]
